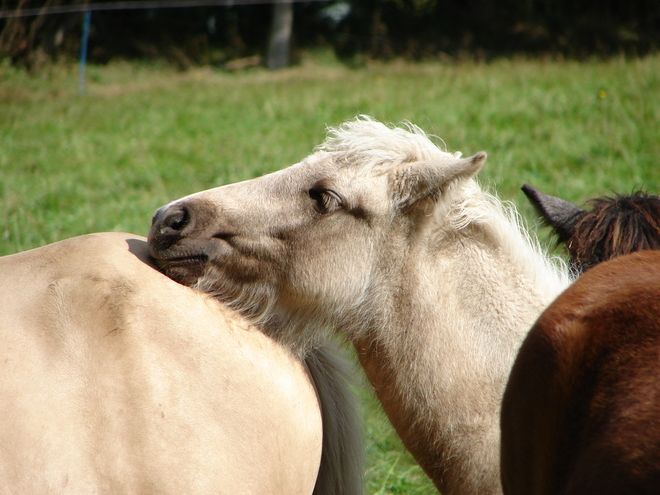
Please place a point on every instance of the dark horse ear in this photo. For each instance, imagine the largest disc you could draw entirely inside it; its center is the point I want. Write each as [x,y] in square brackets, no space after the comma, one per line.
[561,215]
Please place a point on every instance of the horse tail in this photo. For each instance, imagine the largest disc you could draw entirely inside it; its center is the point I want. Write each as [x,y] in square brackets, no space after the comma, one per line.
[342,457]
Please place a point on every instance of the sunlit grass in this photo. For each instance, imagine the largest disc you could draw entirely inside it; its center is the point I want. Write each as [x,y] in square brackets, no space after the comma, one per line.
[143,135]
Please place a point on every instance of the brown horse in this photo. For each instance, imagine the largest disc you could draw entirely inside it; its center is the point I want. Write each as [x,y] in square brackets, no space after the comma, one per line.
[116,379]
[580,413]
[613,226]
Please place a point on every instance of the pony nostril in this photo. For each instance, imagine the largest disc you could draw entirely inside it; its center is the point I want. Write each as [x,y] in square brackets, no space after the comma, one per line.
[175,221]
[167,228]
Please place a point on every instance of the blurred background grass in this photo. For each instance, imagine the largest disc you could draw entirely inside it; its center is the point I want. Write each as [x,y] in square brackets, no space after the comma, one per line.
[145,134]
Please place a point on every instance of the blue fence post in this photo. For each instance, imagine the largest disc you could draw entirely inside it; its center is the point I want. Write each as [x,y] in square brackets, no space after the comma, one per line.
[83,49]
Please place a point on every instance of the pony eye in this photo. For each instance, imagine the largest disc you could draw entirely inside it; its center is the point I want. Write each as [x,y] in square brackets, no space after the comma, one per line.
[325,200]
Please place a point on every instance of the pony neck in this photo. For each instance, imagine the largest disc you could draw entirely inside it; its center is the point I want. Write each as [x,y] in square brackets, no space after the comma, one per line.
[464,295]
[440,349]
[474,267]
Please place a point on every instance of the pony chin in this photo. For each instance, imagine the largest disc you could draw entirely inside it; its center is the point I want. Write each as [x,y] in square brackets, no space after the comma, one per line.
[183,272]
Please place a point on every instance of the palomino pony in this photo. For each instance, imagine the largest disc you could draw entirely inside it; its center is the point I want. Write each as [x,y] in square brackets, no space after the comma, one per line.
[381,235]
[614,226]
[116,379]
[580,414]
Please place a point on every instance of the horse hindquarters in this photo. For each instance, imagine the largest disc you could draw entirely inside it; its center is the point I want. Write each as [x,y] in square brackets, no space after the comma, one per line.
[580,412]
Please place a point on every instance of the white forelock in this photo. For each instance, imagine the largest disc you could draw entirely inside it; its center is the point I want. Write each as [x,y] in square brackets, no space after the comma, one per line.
[377,147]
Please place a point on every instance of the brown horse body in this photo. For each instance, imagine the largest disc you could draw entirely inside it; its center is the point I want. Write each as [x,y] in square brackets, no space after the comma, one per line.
[580,413]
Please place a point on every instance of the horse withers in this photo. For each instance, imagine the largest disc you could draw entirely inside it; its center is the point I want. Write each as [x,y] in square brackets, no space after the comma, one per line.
[580,413]
[386,237]
[116,379]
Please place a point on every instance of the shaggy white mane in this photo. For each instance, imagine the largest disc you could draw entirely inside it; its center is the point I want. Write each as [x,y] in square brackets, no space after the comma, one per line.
[378,147]
[506,226]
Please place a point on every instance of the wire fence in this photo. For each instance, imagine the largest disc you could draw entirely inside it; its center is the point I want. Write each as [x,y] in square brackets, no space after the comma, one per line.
[149,4]
[88,8]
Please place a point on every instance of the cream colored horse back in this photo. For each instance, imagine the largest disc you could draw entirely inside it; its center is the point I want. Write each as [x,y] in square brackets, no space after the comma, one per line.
[116,379]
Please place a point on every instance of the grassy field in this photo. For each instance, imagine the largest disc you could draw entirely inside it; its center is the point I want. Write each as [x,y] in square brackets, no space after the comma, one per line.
[144,135]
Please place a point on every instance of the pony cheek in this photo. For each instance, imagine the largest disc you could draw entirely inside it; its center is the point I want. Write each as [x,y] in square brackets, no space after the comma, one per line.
[323,282]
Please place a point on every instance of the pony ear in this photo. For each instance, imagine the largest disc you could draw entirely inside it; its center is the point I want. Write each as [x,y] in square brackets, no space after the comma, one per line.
[413,182]
[559,214]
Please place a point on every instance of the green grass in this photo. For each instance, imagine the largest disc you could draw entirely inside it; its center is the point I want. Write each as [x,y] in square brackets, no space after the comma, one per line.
[144,135]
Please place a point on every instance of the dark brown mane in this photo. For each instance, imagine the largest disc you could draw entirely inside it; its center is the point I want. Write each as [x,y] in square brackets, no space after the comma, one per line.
[615,226]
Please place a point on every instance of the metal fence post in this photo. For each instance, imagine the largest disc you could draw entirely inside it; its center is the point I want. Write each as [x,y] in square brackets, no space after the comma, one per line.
[83,49]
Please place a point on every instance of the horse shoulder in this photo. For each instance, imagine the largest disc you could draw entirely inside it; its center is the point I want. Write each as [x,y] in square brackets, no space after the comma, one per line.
[116,378]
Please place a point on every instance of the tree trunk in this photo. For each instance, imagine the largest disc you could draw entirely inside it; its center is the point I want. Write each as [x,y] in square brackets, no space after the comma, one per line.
[279,44]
